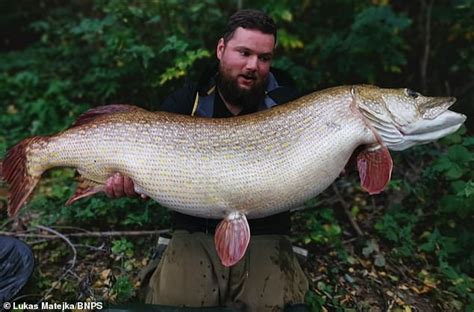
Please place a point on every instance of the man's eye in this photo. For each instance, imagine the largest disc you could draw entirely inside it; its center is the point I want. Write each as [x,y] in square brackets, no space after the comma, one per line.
[244,53]
[265,58]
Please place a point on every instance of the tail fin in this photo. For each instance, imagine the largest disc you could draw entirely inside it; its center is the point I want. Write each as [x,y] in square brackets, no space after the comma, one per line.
[15,173]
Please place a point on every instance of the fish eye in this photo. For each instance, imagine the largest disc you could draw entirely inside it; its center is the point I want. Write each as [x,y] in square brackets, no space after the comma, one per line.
[412,93]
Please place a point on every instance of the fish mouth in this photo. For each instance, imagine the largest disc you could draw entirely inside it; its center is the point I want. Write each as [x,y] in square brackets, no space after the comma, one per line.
[443,123]
[436,121]
[436,106]
[428,130]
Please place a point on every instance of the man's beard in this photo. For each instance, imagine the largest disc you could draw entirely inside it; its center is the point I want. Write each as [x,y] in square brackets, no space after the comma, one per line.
[248,99]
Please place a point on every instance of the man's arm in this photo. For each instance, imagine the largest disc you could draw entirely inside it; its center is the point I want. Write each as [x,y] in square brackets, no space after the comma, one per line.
[181,101]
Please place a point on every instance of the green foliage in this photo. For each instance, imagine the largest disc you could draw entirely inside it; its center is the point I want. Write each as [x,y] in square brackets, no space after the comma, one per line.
[373,35]
[314,301]
[183,59]
[57,59]
[122,289]
[441,225]
[122,248]
[398,226]
[322,227]
[337,50]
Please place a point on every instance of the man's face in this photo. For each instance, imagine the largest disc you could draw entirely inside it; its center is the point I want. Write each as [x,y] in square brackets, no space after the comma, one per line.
[246,58]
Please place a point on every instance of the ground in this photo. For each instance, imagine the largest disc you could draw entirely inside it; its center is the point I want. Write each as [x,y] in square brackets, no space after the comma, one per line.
[102,272]
[358,273]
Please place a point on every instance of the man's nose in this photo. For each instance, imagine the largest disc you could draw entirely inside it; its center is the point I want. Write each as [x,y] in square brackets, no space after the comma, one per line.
[252,63]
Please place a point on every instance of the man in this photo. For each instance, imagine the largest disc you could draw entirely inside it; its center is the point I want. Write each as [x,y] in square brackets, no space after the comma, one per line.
[268,277]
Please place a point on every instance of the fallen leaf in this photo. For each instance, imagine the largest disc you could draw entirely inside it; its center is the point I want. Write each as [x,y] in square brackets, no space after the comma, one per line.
[393,278]
[56,285]
[403,287]
[430,282]
[105,274]
[399,301]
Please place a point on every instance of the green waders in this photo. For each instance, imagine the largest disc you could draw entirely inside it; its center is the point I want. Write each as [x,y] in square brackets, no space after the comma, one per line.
[190,274]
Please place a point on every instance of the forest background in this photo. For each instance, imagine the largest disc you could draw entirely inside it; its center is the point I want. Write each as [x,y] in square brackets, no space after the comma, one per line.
[410,248]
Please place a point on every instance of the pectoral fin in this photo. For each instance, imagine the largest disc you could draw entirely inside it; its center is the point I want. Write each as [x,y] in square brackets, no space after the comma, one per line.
[85,188]
[375,169]
[232,238]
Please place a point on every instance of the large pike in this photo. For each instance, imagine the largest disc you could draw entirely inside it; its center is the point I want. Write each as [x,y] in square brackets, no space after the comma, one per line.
[250,166]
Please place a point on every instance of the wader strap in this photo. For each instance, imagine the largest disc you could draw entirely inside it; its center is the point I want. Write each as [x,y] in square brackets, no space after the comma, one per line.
[197,99]
[204,105]
[195,105]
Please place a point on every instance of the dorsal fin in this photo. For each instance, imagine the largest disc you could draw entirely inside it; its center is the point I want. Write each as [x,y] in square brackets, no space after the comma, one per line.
[95,112]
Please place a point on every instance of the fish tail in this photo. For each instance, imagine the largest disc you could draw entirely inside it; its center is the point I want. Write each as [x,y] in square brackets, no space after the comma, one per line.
[16,172]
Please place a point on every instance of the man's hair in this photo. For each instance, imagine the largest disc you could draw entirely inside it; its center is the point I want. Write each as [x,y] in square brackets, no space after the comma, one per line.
[250,19]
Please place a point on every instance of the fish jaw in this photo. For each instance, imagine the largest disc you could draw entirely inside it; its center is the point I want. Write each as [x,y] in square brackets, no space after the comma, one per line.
[428,130]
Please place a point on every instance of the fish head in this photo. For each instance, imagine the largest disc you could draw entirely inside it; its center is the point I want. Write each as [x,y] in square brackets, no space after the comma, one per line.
[403,118]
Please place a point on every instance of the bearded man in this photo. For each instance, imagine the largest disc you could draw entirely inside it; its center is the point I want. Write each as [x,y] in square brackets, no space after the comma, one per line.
[269,277]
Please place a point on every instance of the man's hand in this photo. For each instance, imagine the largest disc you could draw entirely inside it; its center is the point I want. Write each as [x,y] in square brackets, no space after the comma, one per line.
[120,186]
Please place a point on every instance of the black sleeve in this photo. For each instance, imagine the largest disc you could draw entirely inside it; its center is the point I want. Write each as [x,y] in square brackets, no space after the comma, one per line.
[283,95]
[181,101]
[287,91]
